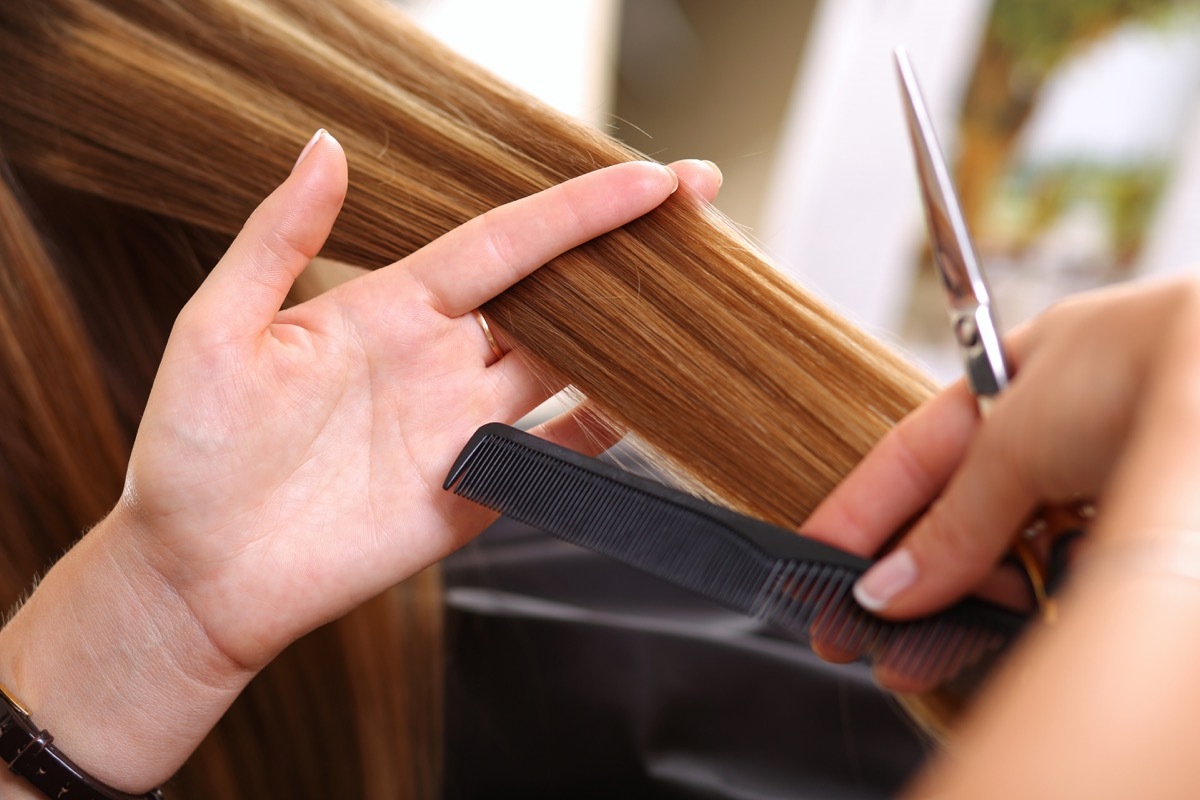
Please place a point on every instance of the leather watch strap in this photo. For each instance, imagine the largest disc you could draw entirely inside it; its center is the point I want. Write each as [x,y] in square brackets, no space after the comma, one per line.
[30,753]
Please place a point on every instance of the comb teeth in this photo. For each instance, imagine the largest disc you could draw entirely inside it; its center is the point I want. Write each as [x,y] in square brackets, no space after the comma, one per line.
[816,602]
[613,519]
[798,585]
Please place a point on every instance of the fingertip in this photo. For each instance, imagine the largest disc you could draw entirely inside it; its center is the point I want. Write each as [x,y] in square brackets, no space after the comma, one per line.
[827,651]
[900,681]
[665,172]
[890,577]
[702,177]
[321,166]
[656,179]
[674,177]
[937,563]
[321,140]
[312,142]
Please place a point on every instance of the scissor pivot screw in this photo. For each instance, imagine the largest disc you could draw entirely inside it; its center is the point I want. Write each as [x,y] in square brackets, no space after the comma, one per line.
[967,331]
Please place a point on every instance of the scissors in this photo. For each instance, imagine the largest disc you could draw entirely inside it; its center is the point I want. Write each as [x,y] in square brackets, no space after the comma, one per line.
[973,322]
[972,316]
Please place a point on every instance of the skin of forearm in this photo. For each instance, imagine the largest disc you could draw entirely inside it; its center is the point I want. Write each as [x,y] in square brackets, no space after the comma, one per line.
[1100,706]
[108,659]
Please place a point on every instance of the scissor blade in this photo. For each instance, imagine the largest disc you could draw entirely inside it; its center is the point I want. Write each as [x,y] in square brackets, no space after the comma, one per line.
[974,325]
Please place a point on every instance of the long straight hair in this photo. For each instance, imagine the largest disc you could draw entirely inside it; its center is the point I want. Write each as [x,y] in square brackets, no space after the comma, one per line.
[138,136]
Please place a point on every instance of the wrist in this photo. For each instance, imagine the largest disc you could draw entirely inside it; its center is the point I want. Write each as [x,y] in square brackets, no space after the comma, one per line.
[109,659]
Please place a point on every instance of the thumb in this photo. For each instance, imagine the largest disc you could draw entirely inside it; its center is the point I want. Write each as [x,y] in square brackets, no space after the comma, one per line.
[246,289]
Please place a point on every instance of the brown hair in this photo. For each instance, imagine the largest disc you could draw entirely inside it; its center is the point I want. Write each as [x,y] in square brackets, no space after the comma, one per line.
[141,134]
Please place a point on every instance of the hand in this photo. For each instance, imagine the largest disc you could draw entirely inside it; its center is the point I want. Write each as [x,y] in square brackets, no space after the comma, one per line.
[1081,389]
[289,463]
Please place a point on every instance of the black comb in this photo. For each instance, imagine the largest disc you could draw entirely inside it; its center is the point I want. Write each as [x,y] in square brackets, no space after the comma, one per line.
[750,566]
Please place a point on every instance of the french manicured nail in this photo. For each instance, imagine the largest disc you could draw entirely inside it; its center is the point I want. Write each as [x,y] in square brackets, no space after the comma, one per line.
[720,175]
[674,177]
[892,575]
[316,137]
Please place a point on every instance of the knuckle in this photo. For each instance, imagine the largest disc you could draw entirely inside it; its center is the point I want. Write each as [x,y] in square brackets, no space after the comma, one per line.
[944,535]
[913,463]
[1186,291]
[576,216]
[278,246]
[501,248]
[1066,316]
[1013,442]
[946,546]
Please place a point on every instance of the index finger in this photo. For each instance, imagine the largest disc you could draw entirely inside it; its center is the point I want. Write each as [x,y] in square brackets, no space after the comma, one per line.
[480,259]
[905,471]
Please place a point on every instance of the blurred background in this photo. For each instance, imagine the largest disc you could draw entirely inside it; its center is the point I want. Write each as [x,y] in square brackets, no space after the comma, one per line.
[1072,126]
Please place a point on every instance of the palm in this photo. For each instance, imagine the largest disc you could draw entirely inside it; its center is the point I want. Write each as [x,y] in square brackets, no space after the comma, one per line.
[293,469]
[340,425]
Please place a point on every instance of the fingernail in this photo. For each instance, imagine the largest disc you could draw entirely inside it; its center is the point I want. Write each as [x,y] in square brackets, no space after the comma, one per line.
[674,178]
[892,575]
[316,137]
[720,175]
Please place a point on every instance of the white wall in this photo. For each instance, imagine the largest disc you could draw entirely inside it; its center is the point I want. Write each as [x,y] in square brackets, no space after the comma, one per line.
[843,213]
[561,51]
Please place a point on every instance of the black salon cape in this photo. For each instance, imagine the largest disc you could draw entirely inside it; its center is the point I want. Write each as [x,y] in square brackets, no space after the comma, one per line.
[573,676]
